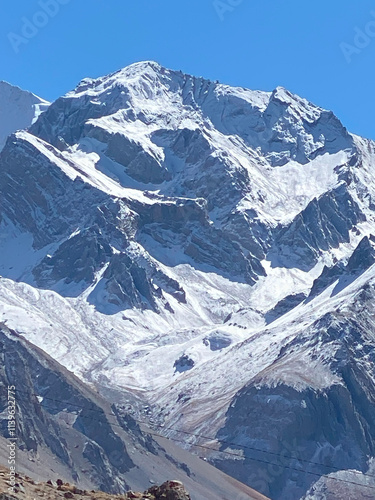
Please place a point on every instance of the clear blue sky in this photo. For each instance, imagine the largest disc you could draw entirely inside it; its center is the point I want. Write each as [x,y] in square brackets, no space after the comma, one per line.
[257,44]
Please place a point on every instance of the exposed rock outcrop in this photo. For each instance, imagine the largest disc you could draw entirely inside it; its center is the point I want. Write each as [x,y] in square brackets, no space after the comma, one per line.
[25,488]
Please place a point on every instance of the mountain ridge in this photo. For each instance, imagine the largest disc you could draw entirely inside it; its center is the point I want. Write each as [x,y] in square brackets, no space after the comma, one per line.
[178,234]
[19,109]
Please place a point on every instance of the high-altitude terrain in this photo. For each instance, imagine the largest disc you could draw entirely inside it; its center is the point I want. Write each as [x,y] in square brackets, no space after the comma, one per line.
[18,108]
[204,256]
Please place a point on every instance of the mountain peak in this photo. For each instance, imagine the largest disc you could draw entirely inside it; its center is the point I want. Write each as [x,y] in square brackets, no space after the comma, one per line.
[18,109]
[119,78]
[142,65]
[176,239]
[138,69]
[14,90]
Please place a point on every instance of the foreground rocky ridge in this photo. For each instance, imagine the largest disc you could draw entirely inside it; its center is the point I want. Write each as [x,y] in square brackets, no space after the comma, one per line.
[26,488]
[208,250]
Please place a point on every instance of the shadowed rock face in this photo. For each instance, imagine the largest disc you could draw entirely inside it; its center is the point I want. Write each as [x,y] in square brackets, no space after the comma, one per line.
[82,225]
[284,306]
[76,259]
[362,259]
[324,224]
[344,484]
[43,395]
[290,435]
[301,427]
[70,115]
[138,163]
[39,198]
[183,364]
[127,284]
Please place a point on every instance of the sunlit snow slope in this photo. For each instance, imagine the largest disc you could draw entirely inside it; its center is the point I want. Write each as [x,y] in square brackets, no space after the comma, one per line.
[18,109]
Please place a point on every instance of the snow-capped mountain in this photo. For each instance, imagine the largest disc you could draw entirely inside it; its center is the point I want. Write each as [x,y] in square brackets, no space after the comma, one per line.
[18,109]
[211,250]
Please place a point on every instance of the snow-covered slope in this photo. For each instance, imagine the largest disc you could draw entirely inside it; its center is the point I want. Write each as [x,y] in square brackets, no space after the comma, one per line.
[66,430]
[18,110]
[210,250]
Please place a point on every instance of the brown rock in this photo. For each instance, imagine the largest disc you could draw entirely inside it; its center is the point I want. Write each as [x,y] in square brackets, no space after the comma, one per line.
[170,490]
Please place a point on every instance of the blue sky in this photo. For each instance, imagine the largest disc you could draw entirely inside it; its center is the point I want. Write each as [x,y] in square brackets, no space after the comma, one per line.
[255,44]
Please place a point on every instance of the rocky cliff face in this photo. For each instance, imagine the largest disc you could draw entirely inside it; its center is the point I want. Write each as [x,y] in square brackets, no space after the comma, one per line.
[310,425]
[209,250]
[26,487]
[52,413]
[343,484]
